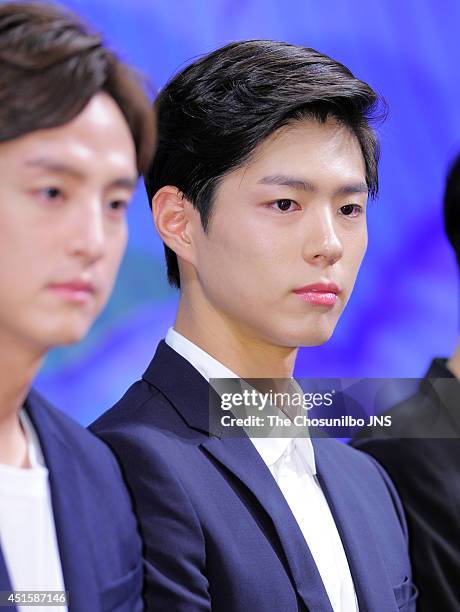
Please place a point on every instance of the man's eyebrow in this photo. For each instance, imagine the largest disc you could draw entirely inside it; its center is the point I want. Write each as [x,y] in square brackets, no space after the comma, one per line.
[304,185]
[287,181]
[45,163]
[126,183]
[353,188]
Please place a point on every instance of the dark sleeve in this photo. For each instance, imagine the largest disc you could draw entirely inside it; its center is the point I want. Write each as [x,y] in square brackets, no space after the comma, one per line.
[432,516]
[173,541]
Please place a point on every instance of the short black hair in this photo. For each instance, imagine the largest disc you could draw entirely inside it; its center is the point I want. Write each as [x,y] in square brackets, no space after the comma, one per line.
[452,207]
[213,114]
[51,65]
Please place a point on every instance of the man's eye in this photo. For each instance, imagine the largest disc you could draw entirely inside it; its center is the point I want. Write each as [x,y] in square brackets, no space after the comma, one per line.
[118,205]
[51,193]
[351,210]
[284,205]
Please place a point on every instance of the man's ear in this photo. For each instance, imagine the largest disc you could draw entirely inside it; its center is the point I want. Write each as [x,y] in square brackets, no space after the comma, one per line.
[174,216]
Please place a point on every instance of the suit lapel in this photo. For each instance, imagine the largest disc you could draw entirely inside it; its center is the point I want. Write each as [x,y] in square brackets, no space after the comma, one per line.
[373,587]
[239,456]
[74,548]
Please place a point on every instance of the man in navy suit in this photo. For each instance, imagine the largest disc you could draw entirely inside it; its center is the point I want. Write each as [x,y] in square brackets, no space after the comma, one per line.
[259,188]
[421,452]
[75,132]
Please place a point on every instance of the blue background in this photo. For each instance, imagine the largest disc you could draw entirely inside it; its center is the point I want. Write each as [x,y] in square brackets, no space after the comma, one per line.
[405,304]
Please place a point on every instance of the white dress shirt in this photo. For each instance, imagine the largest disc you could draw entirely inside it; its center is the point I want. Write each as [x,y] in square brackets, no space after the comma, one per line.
[27,531]
[292,464]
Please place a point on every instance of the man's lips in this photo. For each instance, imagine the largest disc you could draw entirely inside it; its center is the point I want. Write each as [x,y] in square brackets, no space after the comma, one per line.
[319,294]
[74,290]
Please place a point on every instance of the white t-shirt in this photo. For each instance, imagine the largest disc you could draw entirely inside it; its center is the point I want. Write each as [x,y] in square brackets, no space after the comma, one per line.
[27,531]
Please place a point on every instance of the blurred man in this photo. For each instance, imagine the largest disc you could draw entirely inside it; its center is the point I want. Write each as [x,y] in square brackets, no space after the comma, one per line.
[259,191]
[423,458]
[75,132]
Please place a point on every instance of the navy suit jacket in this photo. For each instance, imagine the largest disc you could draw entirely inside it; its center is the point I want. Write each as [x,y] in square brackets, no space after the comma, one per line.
[96,530]
[421,452]
[217,531]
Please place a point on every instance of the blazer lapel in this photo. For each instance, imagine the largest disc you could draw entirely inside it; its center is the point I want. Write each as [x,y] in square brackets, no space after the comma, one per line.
[240,457]
[373,587]
[74,548]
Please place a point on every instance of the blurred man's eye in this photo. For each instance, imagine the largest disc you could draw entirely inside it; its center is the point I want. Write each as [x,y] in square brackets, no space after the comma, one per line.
[51,193]
[118,205]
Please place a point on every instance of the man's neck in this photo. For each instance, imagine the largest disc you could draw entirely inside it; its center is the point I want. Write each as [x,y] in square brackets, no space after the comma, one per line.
[454,362]
[235,348]
[18,366]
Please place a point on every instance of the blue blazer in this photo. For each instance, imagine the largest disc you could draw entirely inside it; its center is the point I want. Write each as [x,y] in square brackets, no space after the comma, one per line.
[217,531]
[96,530]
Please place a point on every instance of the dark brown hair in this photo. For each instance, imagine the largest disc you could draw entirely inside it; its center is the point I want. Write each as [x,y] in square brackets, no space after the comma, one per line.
[51,65]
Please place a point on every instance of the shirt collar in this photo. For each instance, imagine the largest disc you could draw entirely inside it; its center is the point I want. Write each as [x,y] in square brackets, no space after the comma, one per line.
[33,443]
[270,449]
[202,361]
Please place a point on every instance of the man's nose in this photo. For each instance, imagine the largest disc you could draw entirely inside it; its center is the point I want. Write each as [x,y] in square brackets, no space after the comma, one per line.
[322,245]
[87,234]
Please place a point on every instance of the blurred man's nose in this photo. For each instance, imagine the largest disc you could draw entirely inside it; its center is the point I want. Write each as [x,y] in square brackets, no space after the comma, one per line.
[87,236]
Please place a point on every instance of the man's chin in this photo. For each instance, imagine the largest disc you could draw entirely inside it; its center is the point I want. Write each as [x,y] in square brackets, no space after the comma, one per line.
[316,340]
[67,335]
[311,330]
[315,337]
